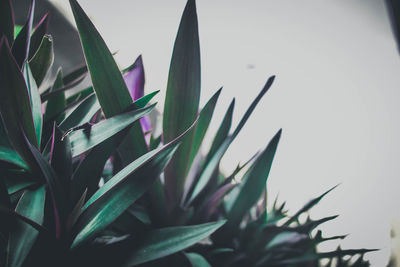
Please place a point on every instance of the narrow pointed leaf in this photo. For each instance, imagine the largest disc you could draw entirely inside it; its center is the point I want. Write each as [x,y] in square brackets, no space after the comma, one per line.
[10,156]
[196,260]
[85,139]
[121,191]
[253,185]
[56,104]
[182,98]
[35,102]
[42,60]
[20,48]
[76,75]
[107,81]
[211,205]
[7,20]
[134,79]
[216,158]
[166,241]
[202,126]
[39,32]
[15,105]
[23,237]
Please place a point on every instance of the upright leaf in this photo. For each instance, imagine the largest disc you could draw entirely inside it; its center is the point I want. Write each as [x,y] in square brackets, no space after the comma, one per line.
[182,98]
[15,105]
[166,241]
[23,236]
[7,20]
[38,34]
[20,48]
[42,60]
[107,80]
[56,104]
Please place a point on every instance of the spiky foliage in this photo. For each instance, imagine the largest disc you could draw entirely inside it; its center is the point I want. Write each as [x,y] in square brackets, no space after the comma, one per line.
[81,183]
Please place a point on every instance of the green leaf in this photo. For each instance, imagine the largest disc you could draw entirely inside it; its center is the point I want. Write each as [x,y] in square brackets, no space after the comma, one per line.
[76,75]
[23,236]
[216,158]
[20,48]
[15,105]
[17,30]
[42,60]
[57,103]
[182,99]
[84,139]
[196,260]
[7,20]
[253,185]
[36,104]
[17,180]
[10,156]
[166,241]
[107,81]
[202,126]
[38,34]
[81,114]
[121,191]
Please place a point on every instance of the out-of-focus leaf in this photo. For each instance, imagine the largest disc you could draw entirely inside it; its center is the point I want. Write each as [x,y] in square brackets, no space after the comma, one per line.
[216,158]
[37,35]
[210,206]
[196,260]
[166,241]
[154,142]
[20,48]
[10,156]
[84,139]
[17,30]
[81,114]
[76,75]
[15,105]
[107,81]
[182,99]
[35,102]
[308,206]
[60,157]
[253,185]
[7,20]
[22,238]
[121,191]
[57,103]
[202,126]
[17,180]
[42,60]
[79,95]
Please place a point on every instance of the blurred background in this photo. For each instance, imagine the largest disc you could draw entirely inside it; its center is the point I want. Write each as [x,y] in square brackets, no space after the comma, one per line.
[336,94]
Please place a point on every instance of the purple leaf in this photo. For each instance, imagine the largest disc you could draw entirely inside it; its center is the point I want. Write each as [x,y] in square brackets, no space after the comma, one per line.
[134,80]
[213,202]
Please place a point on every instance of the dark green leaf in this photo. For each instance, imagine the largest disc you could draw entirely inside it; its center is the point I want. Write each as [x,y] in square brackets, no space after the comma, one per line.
[10,156]
[84,139]
[75,75]
[38,34]
[22,238]
[196,260]
[182,98]
[7,20]
[253,185]
[107,81]
[20,48]
[121,191]
[15,105]
[57,103]
[42,60]
[166,241]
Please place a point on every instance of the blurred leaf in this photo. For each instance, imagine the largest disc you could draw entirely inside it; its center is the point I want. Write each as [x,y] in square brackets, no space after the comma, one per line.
[77,97]
[107,81]
[202,126]
[17,180]
[121,191]
[84,139]
[15,105]
[76,75]
[216,158]
[253,185]
[182,99]
[7,20]
[211,205]
[42,60]
[9,155]
[81,114]
[196,260]
[38,35]
[22,238]
[166,241]
[17,30]
[57,103]
[35,102]
[20,48]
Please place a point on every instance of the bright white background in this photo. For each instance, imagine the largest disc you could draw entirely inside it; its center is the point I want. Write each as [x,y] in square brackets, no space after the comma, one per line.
[335,95]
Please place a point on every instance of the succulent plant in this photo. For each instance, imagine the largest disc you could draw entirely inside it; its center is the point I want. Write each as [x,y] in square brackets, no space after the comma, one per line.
[84,180]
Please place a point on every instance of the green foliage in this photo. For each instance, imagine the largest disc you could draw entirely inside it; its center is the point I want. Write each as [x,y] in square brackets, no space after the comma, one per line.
[80,185]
